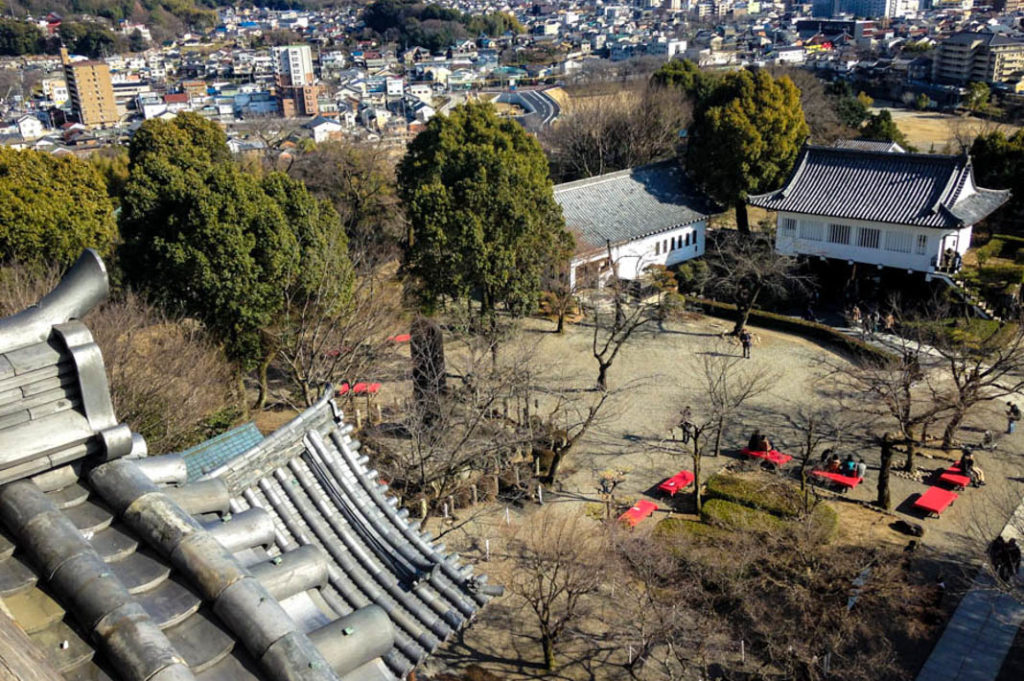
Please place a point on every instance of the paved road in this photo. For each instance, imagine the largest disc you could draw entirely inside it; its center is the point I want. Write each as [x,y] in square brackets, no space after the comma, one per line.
[543,109]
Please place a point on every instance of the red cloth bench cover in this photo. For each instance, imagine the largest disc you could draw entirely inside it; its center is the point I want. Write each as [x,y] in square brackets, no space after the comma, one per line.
[373,388]
[359,388]
[343,389]
[936,500]
[400,338]
[679,481]
[952,476]
[775,456]
[638,512]
[838,478]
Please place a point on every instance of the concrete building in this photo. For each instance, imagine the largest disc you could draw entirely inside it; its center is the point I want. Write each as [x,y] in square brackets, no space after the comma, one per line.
[984,57]
[873,204]
[90,91]
[293,65]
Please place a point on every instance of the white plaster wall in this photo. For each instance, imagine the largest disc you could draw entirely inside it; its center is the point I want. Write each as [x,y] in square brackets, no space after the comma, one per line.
[795,245]
[633,257]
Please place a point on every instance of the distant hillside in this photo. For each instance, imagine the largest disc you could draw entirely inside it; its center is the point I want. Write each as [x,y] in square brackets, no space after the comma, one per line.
[165,17]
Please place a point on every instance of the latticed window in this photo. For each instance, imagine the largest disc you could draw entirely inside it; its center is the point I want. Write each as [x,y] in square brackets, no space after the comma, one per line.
[898,242]
[839,234]
[812,231]
[787,226]
[868,237]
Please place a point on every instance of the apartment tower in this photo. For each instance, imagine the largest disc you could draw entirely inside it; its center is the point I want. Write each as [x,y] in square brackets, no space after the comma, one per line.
[90,91]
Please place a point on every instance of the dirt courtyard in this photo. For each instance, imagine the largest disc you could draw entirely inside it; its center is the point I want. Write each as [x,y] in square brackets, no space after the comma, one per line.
[655,377]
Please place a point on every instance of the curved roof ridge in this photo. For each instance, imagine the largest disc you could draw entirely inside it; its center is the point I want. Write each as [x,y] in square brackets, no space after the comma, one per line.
[603,177]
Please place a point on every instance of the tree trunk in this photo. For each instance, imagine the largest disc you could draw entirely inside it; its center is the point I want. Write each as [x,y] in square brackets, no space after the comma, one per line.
[602,375]
[742,220]
[561,322]
[261,396]
[883,474]
[548,644]
[953,427]
[696,472]
[556,461]
[242,402]
[742,315]
[911,445]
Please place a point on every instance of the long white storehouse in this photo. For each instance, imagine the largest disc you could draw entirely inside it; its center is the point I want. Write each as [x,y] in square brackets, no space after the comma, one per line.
[649,215]
[881,207]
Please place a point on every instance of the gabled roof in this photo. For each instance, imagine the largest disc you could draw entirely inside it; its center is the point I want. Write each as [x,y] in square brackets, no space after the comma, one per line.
[630,204]
[870,145]
[928,190]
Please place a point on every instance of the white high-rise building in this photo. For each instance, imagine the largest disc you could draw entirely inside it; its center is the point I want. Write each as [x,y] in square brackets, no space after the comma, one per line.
[293,64]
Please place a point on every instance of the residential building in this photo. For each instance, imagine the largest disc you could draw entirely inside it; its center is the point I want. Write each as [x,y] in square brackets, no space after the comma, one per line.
[293,65]
[649,215]
[979,56]
[90,91]
[876,205]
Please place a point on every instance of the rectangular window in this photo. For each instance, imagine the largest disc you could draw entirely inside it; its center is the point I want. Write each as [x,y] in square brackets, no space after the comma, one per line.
[898,242]
[657,248]
[812,231]
[665,245]
[839,234]
[673,243]
[787,226]
[922,244]
[687,238]
[868,237]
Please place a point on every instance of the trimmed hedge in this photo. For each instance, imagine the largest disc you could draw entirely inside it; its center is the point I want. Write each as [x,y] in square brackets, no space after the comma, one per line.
[800,327]
[824,522]
[685,530]
[730,516]
[777,497]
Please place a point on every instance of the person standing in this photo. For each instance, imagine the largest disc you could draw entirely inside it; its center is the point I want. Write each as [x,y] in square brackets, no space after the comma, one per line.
[1013,557]
[1012,416]
[745,341]
[862,469]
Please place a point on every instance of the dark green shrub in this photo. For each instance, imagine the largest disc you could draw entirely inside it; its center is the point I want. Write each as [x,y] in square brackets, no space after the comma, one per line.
[680,529]
[730,516]
[776,497]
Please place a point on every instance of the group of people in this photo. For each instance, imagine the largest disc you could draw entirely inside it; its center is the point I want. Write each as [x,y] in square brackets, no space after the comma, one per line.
[759,442]
[1005,557]
[830,463]
[872,321]
[970,468]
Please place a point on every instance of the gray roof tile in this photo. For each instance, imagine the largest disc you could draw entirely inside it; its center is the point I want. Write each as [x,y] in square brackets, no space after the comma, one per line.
[927,190]
[630,204]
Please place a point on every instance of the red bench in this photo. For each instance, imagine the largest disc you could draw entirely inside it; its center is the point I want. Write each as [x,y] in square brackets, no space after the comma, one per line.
[679,481]
[774,456]
[845,481]
[953,476]
[935,500]
[638,512]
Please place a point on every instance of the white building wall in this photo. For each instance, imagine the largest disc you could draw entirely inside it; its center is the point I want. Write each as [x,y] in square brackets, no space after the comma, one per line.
[899,246]
[666,248]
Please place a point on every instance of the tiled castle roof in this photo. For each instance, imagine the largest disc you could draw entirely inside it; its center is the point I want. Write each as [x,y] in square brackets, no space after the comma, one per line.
[119,569]
[927,190]
[630,204]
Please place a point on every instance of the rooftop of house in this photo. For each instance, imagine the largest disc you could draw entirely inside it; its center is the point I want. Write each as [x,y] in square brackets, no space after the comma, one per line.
[630,204]
[884,185]
[285,563]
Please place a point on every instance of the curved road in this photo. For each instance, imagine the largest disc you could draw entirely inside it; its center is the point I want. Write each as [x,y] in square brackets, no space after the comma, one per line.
[543,109]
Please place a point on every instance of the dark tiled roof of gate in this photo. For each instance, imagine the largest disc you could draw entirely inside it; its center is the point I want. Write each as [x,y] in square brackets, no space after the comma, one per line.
[310,477]
[927,190]
[630,204]
[119,569]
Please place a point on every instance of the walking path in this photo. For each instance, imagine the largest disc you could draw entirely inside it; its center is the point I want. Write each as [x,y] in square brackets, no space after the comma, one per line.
[981,631]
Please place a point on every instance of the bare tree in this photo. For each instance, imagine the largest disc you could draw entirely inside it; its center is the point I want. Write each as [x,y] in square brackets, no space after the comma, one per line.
[724,384]
[615,326]
[981,364]
[603,134]
[560,561]
[744,268]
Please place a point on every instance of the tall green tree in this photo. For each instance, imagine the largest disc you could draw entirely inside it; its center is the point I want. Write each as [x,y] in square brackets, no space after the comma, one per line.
[18,38]
[746,136]
[206,238]
[686,76]
[999,164]
[51,208]
[482,215]
[881,126]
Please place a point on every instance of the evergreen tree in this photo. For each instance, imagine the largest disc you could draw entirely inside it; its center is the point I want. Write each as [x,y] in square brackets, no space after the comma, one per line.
[746,136]
[482,214]
[882,127]
[51,208]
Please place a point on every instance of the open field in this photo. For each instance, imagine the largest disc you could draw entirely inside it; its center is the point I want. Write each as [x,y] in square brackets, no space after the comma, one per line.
[935,132]
[655,377]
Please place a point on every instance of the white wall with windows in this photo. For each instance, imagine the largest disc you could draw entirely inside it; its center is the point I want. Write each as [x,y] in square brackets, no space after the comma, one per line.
[633,257]
[900,246]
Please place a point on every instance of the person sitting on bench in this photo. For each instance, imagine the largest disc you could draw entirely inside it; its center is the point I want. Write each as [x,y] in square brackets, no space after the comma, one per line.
[971,469]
